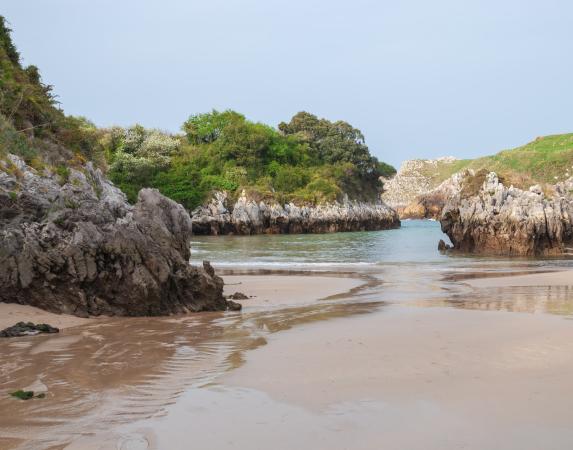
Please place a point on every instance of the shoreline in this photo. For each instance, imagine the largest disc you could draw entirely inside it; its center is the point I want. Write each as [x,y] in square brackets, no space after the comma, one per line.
[272,289]
[275,288]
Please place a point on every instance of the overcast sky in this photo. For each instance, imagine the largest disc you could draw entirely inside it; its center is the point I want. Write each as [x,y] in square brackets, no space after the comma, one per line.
[420,78]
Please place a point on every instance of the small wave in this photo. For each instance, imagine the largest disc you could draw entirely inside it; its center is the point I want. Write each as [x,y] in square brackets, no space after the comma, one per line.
[259,264]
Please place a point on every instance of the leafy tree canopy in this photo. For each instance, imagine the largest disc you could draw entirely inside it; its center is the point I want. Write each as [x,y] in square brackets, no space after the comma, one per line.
[306,160]
[332,142]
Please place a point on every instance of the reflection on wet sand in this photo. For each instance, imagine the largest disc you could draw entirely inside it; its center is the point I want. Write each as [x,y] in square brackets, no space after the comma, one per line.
[104,376]
[122,370]
[524,299]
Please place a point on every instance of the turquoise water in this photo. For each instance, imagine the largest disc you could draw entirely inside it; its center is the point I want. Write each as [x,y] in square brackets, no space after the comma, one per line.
[414,244]
[416,241]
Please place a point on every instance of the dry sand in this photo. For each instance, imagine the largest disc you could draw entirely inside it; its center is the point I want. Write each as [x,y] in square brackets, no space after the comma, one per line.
[267,290]
[11,313]
[286,290]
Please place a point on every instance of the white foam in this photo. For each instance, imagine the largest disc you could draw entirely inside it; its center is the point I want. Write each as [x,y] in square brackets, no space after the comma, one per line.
[263,264]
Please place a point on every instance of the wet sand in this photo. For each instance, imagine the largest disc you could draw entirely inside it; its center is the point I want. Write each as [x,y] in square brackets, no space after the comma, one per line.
[559,278]
[321,361]
[400,377]
[102,374]
[408,378]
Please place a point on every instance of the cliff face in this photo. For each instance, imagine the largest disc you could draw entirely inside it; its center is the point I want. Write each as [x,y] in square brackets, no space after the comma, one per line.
[498,220]
[247,216]
[71,243]
[430,204]
[418,190]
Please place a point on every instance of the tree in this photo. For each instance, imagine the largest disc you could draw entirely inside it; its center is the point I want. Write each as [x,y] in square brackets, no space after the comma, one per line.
[208,127]
[6,43]
[332,142]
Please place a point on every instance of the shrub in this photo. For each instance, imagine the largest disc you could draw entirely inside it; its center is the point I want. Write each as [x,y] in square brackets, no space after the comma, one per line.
[64,174]
[289,178]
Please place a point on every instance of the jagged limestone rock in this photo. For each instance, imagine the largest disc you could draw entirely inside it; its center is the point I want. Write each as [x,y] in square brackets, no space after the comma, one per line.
[414,191]
[500,220]
[248,216]
[76,246]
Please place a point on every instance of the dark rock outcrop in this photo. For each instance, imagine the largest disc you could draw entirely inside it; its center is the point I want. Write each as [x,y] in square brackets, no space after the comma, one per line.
[499,220]
[248,216]
[28,329]
[234,306]
[443,247]
[238,296]
[76,246]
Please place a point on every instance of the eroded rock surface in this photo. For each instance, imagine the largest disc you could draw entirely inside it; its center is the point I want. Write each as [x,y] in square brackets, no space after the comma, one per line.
[248,216]
[415,191]
[429,205]
[500,220]
[76,246]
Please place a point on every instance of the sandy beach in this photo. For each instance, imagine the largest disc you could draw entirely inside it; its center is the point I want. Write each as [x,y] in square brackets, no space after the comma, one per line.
[403,377]
[324,360]
[265,290]
[284,290]
[11,313]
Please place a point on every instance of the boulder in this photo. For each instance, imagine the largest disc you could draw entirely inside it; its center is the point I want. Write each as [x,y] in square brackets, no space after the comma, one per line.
[238,296]
[234,306]
[76,246]
[28,329]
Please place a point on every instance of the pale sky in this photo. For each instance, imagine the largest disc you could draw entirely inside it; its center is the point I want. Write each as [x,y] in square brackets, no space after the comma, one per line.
[420,78]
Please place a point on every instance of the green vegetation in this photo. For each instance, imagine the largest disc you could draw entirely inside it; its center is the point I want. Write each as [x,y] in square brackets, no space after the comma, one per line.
[24,395]
[31,123]
[546,160]
[306,160]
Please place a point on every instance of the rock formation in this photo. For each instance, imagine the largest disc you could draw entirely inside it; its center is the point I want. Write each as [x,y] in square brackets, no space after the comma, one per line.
[71,243]
[430,204]
[415,191]
[486,217]
[248,216]
[28,329]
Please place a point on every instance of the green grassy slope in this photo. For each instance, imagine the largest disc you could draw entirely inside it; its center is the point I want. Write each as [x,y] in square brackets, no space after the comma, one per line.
[546,160]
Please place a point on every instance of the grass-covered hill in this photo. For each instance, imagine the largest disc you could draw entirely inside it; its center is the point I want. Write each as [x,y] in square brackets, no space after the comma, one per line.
[545,160]
[306,160]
